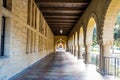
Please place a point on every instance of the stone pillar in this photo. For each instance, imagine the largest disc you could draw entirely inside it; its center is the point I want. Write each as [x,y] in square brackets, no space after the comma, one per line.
[104,52]
[71,50]
[79,52]
[87,53]
[29,41]
[32,41]
[74,50]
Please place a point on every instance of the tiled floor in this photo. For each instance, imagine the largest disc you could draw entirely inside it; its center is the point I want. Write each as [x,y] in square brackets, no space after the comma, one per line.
[59,66]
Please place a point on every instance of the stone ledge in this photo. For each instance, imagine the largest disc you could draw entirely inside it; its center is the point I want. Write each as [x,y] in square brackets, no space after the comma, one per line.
[4,60]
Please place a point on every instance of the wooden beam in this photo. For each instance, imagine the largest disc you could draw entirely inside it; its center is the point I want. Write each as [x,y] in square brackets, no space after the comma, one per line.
[66,1]
[61,25]
[61,16]
[63,8]
[62,11]
[61,4]
[61,21]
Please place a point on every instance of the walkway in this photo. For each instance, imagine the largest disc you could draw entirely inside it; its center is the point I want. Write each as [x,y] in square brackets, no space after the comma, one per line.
[59,66]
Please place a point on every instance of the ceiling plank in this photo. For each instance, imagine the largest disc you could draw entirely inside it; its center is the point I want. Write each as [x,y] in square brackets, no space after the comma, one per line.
[65,21]
[61,4]
[61,16]
[52,20]
[66,1]
[62,11]
[60,23]
[61,19]
[63,8]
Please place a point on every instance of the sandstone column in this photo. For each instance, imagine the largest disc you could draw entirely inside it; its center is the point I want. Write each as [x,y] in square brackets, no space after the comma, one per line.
[79,52]
[72,50]
[87,53]
[104,52]
[76,51]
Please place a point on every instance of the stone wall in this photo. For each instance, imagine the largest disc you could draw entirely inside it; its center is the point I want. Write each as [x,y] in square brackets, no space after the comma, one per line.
[24,43]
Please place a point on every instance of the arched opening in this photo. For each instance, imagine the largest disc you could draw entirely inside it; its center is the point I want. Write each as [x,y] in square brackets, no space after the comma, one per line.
[92,47]
[70,45]
[90,29]
[73,44]
[76,44]
[111,39]
[115,50]
[60,45]
[81,43]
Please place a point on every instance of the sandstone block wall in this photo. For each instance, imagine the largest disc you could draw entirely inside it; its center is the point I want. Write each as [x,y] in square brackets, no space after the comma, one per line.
[24,42]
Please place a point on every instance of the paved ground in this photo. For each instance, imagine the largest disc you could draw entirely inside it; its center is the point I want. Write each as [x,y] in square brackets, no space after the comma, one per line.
[59,66]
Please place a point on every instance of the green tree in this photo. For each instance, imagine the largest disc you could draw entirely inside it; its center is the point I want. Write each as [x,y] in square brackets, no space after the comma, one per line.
[117,42]
[94,38]
[117,31]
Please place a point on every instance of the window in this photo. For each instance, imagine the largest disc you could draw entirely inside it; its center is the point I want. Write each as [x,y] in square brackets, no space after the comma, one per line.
[29,12]
[2,36]
[7,4]
[4,3]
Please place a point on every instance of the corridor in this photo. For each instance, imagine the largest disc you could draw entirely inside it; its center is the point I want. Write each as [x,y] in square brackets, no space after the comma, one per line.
[32,30]
[59,66]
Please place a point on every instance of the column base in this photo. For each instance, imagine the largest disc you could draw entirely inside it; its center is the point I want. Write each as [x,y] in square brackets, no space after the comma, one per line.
[101,71]
[86,62]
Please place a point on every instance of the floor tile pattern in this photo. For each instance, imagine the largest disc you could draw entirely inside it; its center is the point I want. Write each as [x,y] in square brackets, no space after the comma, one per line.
[59,66]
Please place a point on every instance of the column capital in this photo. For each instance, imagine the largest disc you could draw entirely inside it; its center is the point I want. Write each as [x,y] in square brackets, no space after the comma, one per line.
[79,45]
[106,42]
[88,44]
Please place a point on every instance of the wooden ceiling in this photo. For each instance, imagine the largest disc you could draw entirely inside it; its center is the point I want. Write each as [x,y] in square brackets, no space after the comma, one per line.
[62,14]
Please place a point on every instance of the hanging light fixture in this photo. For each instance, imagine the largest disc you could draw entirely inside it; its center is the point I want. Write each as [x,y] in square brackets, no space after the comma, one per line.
[61,31]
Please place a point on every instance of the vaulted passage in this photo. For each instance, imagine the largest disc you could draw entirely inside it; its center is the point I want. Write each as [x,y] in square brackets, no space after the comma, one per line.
[86,32]
[59,66]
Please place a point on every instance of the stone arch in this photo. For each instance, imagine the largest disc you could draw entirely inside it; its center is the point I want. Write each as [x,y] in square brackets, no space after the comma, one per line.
[76,38]
[81,42]
[109,21]
[76,44]
[81,36]
[92,22]
[70,44]
[63,43]
[90,27]
[107,30]
[93,16]
[73,44]
[73,40]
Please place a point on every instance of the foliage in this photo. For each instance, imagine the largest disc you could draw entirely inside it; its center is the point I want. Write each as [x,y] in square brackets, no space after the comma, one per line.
[117,31]
[94,38]
[117,42]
